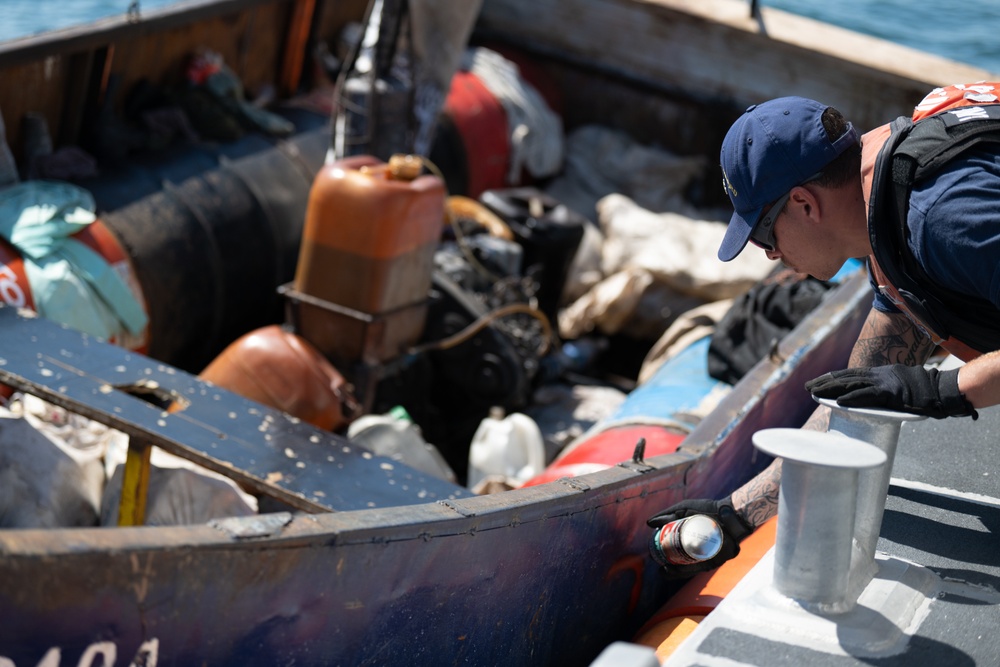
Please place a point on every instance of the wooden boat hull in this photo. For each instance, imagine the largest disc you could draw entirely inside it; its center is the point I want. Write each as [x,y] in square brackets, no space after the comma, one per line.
[543,575]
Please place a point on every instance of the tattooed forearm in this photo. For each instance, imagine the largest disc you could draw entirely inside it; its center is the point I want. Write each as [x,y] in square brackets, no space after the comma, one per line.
[890,339]
[819,420]
[757,500]
[884,339]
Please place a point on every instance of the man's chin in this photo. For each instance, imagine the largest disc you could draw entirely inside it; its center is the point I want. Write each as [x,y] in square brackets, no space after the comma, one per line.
[825,274]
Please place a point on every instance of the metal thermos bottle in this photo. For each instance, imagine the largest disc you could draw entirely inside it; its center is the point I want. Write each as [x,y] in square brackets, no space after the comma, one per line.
[689,540]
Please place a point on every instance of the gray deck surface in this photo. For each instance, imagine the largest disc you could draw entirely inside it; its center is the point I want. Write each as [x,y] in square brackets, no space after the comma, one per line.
[943,512]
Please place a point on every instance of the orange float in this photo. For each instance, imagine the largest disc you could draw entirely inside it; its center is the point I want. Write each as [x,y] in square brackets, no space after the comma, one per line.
[15,290]
[609,448]
[680,616]
[281,370]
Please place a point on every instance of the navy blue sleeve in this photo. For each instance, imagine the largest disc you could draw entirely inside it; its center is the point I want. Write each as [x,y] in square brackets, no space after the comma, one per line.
[954,222]
[880,302]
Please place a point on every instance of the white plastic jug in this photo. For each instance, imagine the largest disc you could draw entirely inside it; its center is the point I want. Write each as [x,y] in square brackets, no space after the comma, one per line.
[510,446]
[395,436]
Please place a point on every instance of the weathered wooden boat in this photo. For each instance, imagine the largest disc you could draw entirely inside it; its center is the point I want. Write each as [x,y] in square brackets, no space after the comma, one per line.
[369,562]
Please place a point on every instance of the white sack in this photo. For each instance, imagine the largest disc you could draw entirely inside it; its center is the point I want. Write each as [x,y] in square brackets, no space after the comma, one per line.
[679,251]
[601,161]
[656,266]
[607,306]
[51,474]
[180,492]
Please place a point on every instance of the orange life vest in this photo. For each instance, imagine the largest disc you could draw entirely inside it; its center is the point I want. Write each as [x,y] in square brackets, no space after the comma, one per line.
[896,155]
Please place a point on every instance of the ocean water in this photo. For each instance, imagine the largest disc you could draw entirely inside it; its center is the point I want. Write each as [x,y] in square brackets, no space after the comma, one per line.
[965,31]
[19,18]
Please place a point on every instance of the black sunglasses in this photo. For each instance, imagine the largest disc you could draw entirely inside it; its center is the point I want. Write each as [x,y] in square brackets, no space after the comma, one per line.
[762,235]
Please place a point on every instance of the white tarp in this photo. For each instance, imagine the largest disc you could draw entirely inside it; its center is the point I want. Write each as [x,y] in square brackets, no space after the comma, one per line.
[653,267]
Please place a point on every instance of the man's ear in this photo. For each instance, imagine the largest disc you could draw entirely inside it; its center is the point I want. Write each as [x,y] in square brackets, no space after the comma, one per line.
[805,202]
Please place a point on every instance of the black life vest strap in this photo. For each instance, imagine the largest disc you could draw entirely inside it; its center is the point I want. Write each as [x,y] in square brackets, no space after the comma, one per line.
[913,152]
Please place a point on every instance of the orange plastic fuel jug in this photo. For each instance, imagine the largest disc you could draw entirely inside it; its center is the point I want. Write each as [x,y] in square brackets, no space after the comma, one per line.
[367,256]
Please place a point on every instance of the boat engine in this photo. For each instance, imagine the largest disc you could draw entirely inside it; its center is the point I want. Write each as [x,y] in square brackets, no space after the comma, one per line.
[482,344]
[447,325]
[488,339]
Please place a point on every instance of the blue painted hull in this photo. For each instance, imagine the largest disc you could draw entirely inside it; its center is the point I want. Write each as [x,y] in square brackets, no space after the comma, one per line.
[543,575]
[546,575]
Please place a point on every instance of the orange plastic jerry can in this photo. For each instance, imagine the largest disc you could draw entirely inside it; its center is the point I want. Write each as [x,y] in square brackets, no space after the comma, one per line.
[370,233]
[367,255]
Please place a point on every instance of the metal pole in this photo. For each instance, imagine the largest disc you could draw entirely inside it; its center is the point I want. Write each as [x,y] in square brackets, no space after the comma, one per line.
[816,510]
[881,429]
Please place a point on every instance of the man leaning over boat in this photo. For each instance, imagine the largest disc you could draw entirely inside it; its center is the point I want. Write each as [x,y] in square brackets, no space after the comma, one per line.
[918,199]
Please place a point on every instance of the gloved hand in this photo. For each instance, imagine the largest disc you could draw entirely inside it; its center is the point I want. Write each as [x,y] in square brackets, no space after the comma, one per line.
[913,389]
[734,529]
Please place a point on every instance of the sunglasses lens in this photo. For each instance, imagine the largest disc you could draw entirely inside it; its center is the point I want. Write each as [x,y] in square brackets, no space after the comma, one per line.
[762,235]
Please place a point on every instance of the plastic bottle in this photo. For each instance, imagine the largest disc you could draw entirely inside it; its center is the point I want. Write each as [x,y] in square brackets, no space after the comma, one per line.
[395,436]
[510,446]
[692,539]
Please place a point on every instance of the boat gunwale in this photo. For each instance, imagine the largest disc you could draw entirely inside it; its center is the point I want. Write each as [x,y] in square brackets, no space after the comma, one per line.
[112,29]
[560,498]
[774,56]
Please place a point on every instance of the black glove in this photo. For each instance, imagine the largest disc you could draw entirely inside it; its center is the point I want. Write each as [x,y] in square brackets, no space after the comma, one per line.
[734,529]
[913,389]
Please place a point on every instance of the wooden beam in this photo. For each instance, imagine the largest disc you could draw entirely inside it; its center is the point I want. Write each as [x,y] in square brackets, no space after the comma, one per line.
[105,31]
[717,49]
[296,44]
[135,483]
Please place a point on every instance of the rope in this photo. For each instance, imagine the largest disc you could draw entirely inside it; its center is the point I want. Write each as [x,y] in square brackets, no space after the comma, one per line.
[483,321]
[536,133]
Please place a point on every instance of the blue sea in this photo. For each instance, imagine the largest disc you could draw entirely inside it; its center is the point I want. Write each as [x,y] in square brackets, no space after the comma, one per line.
[19,18]
[965,31]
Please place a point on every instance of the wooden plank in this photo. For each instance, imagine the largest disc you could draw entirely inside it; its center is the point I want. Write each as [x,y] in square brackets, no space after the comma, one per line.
[333,15]
[81,93]
[265,450]
[135,483]
[716,50]
[105,31]
[53,73]
[32,87]
[296,43]
[247,42]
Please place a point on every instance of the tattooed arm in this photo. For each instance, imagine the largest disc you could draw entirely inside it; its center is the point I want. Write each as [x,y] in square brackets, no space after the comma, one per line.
[890,339]
[884,339]
[757,500]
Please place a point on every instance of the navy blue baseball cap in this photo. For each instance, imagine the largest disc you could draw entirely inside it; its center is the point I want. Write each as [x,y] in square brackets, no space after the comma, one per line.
[770,149]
